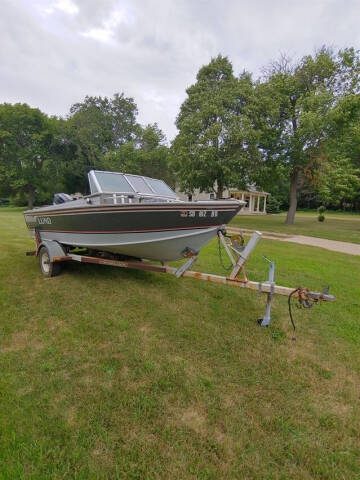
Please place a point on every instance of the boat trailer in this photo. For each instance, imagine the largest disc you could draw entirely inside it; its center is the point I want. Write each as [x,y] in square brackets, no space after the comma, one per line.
[51,254]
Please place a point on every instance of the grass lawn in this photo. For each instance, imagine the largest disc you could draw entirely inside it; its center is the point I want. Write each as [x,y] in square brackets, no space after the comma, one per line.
[337,226]
[117,374]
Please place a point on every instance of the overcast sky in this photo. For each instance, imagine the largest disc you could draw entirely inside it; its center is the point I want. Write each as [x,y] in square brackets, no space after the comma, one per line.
[53,53]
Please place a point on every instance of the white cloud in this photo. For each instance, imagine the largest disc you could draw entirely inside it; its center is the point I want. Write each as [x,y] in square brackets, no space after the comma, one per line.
[152,96]
[107,32]
[65,6]
[101,34]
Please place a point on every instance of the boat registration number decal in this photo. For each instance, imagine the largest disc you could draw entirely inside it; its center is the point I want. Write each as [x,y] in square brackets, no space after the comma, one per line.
[201,213]
[43,220]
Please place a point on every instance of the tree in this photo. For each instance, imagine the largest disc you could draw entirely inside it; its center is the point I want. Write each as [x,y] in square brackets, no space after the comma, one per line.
[339,183]
[344,132]
[216,140]
[115,116]
[63,173]
[26,149]
[297,101]
[97,126]
[340,186]
[147,155]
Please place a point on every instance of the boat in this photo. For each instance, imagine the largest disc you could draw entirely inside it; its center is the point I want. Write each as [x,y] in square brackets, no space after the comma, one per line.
[131,215]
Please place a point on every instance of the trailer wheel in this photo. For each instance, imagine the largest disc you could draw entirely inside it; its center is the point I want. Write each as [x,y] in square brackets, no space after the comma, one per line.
[48,268]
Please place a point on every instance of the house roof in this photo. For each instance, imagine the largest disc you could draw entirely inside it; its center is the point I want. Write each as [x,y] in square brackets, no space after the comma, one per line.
[250,189]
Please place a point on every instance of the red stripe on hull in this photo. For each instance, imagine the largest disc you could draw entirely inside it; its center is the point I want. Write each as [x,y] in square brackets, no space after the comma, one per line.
[48,213]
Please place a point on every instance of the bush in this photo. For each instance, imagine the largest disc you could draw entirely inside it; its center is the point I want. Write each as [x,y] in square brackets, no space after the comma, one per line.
[18,199]
[321,210]
[272,205]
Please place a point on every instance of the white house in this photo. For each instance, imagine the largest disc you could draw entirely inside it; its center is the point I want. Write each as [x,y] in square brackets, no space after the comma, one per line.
[256,200]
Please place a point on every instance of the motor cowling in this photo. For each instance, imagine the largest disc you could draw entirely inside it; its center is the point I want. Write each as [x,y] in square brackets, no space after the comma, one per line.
[60,198]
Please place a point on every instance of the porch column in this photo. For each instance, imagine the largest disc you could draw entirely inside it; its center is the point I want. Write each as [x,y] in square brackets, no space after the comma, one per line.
[242,196]
[250,203]
[264,210]
[258,204]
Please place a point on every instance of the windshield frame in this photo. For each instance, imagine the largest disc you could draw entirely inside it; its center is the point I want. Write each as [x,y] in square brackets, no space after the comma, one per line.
[93,181]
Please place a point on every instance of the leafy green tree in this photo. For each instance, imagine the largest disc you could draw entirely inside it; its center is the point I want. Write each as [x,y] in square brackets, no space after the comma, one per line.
[338,179]
[97,126]
[340,186]
[344,132]
[115,118]
[147,155]
[63,173]
[216,143]
[26,149]
[299,101]
[296,101]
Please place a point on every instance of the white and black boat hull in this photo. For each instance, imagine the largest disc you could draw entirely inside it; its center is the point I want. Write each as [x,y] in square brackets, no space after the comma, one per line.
[157,232]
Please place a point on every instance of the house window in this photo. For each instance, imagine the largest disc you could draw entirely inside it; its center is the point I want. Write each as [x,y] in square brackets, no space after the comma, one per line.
[190,198]
[212,196]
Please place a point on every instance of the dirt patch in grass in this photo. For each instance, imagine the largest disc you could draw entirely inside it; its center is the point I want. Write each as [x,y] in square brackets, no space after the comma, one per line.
[71,416]
[194,420]
[103,455]
[22,340]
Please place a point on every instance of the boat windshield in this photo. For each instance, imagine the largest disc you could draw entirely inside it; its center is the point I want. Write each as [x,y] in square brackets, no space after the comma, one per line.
[160,187]
[112,182]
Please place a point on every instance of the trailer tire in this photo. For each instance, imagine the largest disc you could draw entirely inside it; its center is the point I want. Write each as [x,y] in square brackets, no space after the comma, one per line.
[48,268]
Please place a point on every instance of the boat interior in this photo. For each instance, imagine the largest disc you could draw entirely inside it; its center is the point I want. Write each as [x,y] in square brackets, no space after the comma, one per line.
[111,188]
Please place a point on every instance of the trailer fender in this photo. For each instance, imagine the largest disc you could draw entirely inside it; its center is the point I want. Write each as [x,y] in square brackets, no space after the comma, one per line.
[54,248]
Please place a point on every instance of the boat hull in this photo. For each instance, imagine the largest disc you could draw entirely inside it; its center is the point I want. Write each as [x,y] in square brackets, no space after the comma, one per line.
[157,232]
[154,245]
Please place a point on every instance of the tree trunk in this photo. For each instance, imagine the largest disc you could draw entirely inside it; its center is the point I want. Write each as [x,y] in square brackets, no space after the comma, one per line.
[31,196]
[220,190]
[290,217]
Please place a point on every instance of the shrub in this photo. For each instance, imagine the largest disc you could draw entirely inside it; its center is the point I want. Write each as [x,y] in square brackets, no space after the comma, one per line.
[18,199]
[321,210]
[272,205]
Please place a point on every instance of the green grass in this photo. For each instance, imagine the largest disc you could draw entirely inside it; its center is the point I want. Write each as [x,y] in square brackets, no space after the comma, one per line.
[118,374]
[337,226]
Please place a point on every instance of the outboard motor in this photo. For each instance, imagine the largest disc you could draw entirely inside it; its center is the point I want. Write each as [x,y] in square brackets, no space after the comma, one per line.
[61,198]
